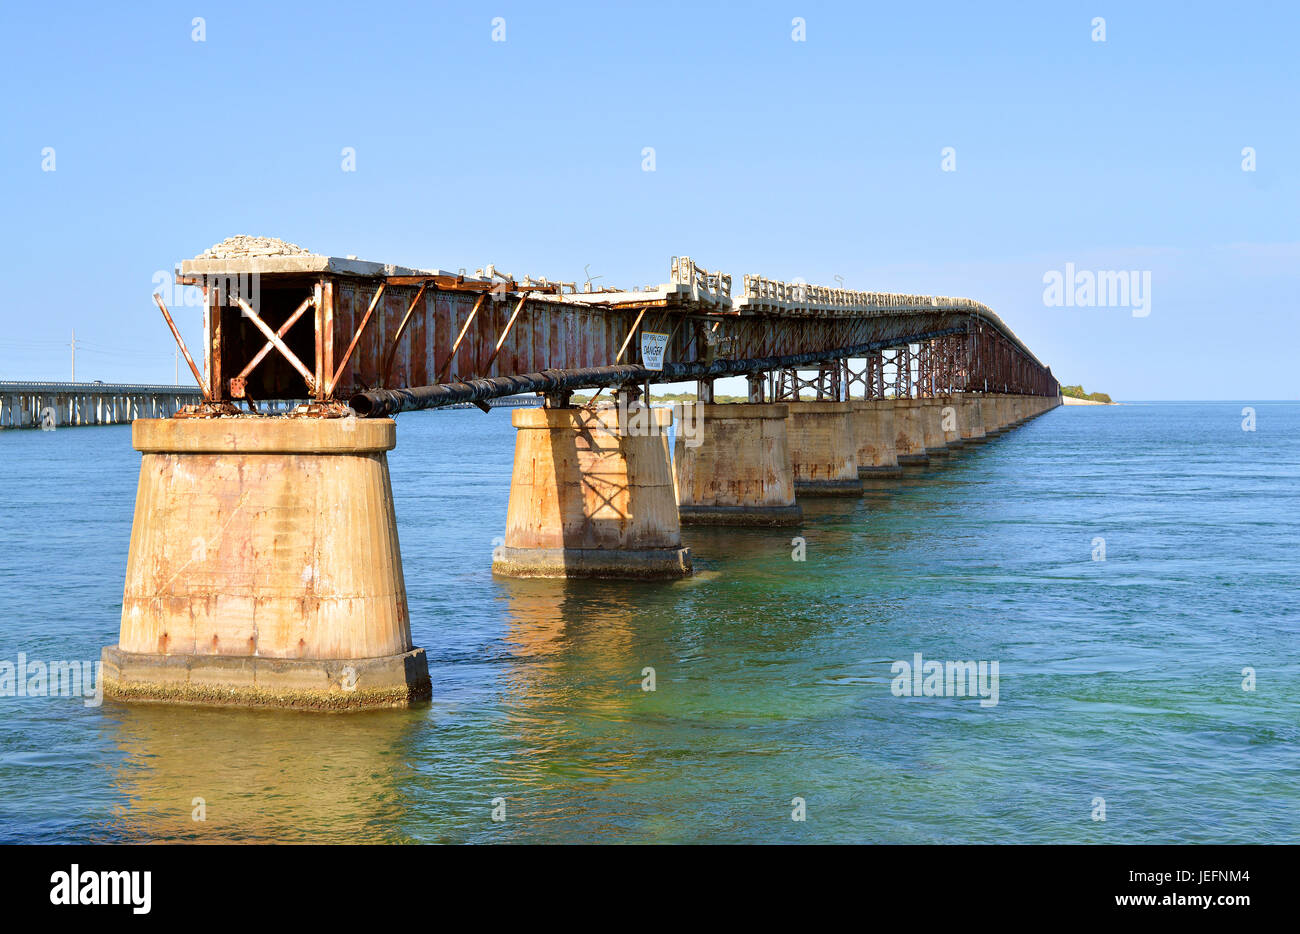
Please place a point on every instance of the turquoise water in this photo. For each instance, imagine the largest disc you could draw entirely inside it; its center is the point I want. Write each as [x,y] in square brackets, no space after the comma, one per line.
[1118,679]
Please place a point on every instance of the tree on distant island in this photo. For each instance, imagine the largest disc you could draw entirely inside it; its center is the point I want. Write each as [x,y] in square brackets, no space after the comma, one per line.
[1076,392]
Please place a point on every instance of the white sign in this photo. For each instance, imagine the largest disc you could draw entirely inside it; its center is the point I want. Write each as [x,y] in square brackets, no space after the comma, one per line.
[652,350]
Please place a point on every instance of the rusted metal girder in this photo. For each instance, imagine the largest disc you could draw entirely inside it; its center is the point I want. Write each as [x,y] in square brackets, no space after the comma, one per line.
[379,402]
[185,351]
[376,332]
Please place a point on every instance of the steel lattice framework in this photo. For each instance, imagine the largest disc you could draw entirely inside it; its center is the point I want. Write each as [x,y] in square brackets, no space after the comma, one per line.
[386,338]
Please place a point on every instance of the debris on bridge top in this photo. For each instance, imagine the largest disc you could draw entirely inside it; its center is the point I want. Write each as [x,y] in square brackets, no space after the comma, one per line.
[242,245]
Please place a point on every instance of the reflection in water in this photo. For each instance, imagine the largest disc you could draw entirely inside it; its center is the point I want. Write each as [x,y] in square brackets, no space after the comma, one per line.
[262,775]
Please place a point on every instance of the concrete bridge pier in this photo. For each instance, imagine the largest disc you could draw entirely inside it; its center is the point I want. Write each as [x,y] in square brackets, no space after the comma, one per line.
[1002,410]
[909,435]
[823,448]
[264,568]
[732,465]
[972,417]
[952,415]
[874,421]
[931,414]
[592,496]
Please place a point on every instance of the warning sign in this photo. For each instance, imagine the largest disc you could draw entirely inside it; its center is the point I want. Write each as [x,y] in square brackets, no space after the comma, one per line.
[652,350]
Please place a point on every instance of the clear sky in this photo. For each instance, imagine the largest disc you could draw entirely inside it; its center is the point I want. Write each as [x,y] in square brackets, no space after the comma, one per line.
[814,159]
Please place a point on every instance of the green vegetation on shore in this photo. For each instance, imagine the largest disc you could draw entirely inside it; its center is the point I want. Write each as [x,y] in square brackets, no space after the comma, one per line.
[1076,392]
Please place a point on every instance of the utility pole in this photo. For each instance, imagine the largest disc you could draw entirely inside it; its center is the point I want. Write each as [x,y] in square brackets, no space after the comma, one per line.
[74,354]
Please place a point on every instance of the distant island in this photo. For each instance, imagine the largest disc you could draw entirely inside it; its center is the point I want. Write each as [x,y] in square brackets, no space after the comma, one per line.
[1077,393]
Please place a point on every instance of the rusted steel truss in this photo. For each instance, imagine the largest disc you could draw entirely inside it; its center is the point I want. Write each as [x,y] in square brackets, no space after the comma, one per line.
[401,335]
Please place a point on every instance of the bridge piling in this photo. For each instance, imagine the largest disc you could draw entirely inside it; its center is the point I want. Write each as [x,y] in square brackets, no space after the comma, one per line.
[823,448]
[739,470]
[909,437]
[972,417]
[931,416]
[874,422]
[952,415]
[592,496]
[264,569]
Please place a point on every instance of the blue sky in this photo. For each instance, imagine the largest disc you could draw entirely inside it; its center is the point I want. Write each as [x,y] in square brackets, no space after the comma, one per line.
[814,159]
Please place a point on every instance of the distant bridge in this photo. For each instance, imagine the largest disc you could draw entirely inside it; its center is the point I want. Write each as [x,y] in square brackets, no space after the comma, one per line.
[56,405]
[52,405]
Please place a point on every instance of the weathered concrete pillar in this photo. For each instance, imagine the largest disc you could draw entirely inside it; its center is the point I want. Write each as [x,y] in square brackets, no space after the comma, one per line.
[909,437]
[931,428]
[732,465]
[592,496]
[264,568]
[995,409]
[874,420]
[972,418]
[823,448]
[952,412]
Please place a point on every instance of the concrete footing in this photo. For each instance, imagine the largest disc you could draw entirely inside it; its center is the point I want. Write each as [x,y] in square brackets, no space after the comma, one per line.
[874,424]
[592,496]
[952,413]
[734,467]
[972,418]
[823,448]
[264,568]
[909,437]
[931,415]
[253,681]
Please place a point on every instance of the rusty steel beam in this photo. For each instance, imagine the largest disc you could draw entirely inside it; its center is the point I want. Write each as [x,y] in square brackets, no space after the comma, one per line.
[180,341]
[446,364]
[401,328]
[380,402]
[333,380]
[504,334]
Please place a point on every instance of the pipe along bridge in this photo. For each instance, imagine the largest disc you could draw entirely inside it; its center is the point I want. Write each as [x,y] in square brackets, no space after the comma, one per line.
[264,566]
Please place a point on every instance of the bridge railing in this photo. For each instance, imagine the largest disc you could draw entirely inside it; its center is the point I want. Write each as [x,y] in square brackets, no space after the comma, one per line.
[823,298]
[687,272]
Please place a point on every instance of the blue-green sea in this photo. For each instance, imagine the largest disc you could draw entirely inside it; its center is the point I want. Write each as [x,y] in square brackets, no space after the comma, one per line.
[1123,682]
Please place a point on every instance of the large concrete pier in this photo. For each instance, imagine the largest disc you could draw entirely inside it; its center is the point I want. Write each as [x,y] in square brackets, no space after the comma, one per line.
[264,568]
[592,496]
[736,469]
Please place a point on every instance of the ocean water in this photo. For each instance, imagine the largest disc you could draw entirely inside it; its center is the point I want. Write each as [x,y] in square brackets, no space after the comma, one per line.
[1120,681]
